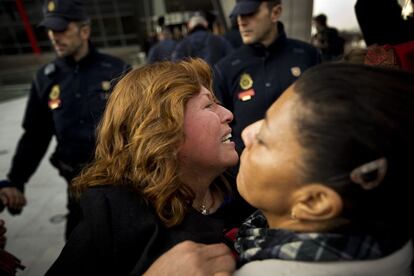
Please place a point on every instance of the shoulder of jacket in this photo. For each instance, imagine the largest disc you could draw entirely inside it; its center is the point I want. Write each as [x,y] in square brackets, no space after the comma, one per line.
[110,193]
[109,61]
[300,44]
[44,77]
[235,58]
[48,70]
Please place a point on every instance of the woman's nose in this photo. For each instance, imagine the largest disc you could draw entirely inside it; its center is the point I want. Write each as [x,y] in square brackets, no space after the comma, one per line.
[227,115]
[249,133]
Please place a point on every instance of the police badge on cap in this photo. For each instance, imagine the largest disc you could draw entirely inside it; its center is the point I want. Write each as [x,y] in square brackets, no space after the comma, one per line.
[58,14]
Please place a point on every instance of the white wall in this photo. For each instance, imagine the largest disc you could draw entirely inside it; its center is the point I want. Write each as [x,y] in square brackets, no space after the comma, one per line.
[340,13]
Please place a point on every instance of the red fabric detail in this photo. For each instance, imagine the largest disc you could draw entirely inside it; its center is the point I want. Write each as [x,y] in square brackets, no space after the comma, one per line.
[232,234]
[405,55]
[381,56]
[230,238]
[398,56]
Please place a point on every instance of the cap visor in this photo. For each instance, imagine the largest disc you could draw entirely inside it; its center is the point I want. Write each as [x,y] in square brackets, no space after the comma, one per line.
[243,8]
[54,23]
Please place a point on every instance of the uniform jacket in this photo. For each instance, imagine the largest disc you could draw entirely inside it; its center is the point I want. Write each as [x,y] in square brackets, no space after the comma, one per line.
[252,77]
[396,264]
[66,100]
[121,235]
[203,44]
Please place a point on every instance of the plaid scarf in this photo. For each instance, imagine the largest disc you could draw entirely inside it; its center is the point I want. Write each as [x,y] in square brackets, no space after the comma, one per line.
[256,241]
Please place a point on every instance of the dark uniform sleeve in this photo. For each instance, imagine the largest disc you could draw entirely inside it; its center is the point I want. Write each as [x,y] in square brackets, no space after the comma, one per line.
[32,146]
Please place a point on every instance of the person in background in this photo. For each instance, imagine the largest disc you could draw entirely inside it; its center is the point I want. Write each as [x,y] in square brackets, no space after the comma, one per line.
[200,42]
[164,48]
[253,76]
[327,39]
[67,99]
[156,179]
[327,169]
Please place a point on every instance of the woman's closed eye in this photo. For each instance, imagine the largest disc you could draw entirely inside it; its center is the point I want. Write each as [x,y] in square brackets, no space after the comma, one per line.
[210,104]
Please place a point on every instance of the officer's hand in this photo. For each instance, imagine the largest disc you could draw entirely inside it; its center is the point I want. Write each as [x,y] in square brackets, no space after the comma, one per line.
[12,198]
[189,258]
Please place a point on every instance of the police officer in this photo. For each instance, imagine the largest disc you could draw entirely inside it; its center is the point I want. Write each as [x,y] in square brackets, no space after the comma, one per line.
[66,100]
[252,77]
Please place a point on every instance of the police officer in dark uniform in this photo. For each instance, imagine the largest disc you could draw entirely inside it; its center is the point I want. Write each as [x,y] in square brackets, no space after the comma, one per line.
[67,99]
[252,77]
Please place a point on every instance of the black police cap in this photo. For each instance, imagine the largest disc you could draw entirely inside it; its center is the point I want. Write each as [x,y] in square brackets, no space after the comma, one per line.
[245,7]
[58,13]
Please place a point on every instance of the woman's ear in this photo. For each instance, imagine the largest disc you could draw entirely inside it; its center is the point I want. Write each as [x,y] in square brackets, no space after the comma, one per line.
[316,202]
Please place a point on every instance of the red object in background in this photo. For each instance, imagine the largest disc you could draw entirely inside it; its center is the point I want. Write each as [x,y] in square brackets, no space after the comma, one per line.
[405,55]
[27,27]
[397,56]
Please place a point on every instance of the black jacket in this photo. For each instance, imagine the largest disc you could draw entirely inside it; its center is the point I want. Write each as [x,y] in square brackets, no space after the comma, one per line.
[381,22]
[66,100]
[121,235]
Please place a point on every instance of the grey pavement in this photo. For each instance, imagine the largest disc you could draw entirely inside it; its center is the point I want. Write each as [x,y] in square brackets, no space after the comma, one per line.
[31,236]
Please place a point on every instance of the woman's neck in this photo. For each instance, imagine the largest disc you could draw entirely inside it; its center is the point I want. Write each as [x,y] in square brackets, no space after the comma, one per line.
[206,200]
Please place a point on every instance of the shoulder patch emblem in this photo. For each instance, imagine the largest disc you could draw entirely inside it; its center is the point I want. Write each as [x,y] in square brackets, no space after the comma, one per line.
[296,72]
[246,81]
[49,69]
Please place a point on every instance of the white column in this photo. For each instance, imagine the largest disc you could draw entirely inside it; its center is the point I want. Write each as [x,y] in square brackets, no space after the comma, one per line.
[297,18]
